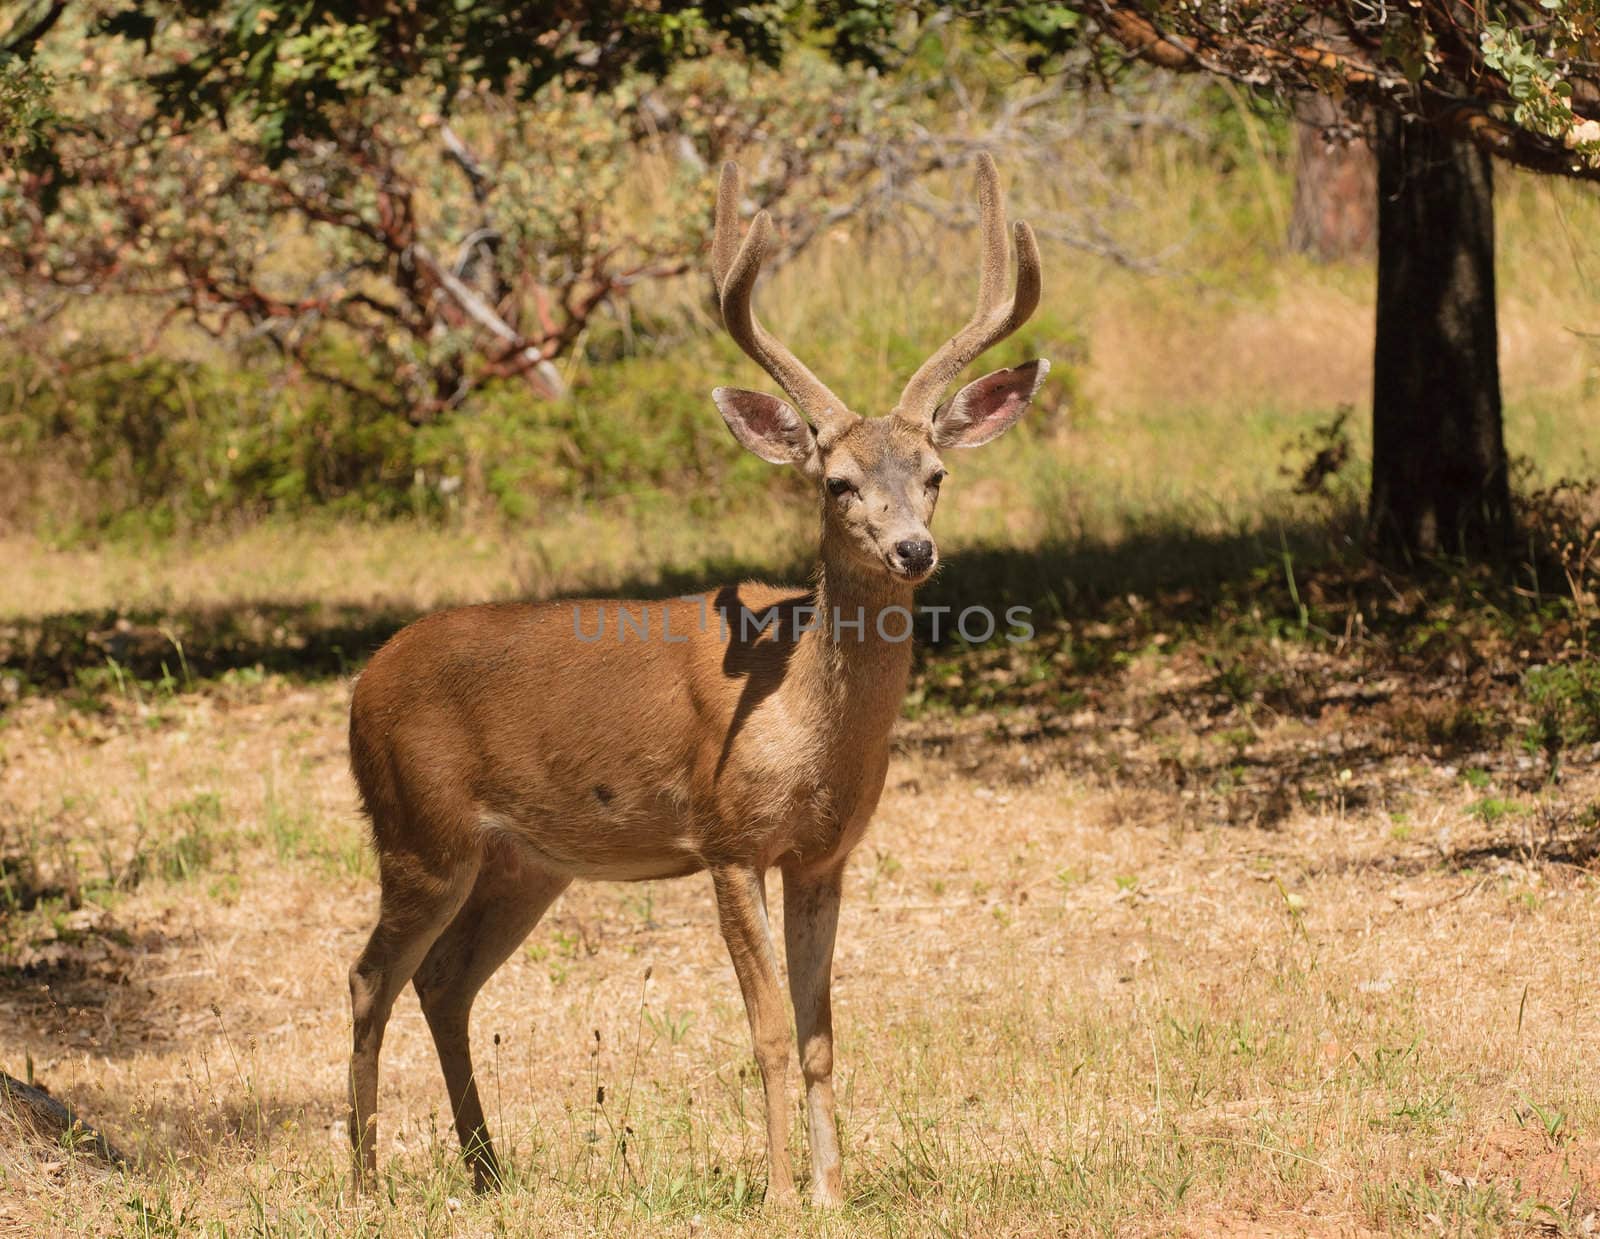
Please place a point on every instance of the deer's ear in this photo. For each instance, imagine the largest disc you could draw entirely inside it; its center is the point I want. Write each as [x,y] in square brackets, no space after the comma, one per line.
[767,426]
[988,407]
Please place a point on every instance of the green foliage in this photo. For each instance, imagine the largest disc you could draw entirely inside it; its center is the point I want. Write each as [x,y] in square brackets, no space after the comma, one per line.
[1492,809]
[25,112]
[861,31]
[641,425]
[1537,72]
[293,68]
[158,446]
[194,842]
[1565,702]
[24,105]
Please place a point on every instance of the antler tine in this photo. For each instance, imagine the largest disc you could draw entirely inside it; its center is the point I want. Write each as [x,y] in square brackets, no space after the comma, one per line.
[993,320]
[725,234]
[735,266]
[992,235]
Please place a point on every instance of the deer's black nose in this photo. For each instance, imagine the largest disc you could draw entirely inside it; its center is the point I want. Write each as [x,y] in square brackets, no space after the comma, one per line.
[915,556]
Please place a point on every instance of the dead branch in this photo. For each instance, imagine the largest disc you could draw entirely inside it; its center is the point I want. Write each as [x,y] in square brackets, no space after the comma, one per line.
[477,258]
[56,1121]
[528,354]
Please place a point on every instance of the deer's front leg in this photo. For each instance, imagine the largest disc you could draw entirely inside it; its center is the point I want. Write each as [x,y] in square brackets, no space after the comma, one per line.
[742,911]
[810,917]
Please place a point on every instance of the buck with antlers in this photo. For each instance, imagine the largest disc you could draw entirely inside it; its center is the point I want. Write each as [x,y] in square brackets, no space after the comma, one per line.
[502,751]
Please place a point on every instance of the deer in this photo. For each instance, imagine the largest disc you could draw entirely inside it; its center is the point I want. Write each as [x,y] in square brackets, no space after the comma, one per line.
[503,750]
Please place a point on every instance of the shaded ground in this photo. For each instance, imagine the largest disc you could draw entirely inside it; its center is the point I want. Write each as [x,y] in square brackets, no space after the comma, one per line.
[1167,570]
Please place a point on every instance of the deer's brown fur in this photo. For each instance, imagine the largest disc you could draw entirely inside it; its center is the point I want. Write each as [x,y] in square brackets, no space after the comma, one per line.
[502,751]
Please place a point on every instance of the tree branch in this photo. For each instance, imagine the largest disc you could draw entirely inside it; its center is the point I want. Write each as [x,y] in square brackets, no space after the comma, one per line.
[22,44]
[1310,66]
[483,314]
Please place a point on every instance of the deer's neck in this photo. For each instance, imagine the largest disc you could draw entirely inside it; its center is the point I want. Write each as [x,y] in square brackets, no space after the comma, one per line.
[857,660]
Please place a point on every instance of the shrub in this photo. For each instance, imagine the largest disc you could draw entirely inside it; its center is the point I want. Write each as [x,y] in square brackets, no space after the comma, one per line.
[158,446]
[1565,702]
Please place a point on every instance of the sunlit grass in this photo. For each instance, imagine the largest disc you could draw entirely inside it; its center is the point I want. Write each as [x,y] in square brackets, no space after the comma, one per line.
[1055,1024]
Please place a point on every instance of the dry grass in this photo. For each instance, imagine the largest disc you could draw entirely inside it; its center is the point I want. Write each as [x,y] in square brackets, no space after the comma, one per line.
[1071,996]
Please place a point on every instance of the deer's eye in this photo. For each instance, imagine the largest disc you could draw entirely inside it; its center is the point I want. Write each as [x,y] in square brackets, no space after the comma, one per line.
[937,476]
[839,486]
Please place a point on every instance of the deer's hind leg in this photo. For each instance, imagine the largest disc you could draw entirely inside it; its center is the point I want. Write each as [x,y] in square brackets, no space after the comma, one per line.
[506,902]
[421,894]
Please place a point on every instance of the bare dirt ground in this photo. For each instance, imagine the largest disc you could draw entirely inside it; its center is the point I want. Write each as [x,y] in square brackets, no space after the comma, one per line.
[1171,940]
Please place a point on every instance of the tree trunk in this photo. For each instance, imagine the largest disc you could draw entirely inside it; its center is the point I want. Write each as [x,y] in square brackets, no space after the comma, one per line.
[1439,480]
[1335,184]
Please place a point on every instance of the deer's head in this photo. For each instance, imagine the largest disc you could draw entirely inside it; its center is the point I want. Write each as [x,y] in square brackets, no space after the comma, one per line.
[879,477]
